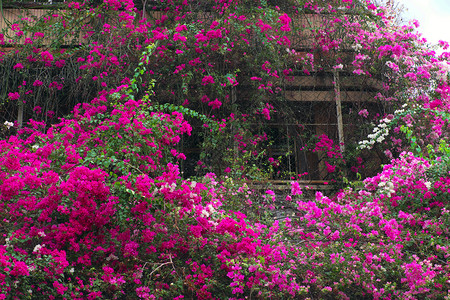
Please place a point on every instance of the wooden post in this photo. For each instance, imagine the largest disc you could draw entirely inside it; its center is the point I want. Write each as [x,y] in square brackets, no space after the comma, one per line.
[233,103]
[340,124]
[20,114]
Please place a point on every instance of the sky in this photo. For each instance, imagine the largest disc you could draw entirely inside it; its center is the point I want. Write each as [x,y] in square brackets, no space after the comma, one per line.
[433,16]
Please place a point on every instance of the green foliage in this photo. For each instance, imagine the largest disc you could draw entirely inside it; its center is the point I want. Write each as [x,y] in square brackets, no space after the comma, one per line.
[439,159]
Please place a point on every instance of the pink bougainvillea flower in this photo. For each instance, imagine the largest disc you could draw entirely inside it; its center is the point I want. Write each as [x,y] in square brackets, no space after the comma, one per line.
[14,96]
[38,35]
[435,103]
[232,81]
[207,80]
[214,34]
[37,109]
[330,168]
[60,63]
[20,269]
[215,104]
[130,249]
[37,83]
[295,188]
[214,24]
[15,27]
[18,66]
[180,28]
[60,288]
[46,56]
[444,44]
[266,113]
[179,37]
[363,113]
[158,35]
[204,99]
[285,20]
[56,85]
[50,114]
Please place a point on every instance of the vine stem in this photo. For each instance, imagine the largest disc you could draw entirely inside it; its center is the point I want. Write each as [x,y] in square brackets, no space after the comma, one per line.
[163,264]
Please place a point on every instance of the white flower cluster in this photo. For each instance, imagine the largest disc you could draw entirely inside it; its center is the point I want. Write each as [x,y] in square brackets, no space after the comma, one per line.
[171,187]
[386,186]
[37,248]
[8,124]
[207,211]
[381,131]
[357,47]
[444,69]
[378,135]
[7,243]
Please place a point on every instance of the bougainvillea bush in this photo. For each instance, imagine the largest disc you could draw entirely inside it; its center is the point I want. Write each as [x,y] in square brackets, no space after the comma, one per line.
[94,208]
[94,205]
[233,61]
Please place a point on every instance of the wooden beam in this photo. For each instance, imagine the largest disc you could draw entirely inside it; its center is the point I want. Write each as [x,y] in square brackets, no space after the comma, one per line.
[328,96]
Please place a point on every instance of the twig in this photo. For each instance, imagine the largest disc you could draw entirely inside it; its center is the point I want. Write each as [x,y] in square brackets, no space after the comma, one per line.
[163,264]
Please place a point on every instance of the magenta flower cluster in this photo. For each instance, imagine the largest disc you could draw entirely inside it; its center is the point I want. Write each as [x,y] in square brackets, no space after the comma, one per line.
[95,207]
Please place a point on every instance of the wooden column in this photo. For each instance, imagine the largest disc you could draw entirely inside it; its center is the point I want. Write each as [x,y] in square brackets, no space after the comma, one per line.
[340,124]
[20,113]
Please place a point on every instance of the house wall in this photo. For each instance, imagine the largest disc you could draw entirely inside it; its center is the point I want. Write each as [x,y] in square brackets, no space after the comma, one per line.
[316,90]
